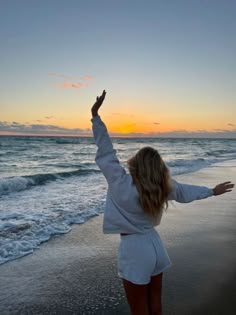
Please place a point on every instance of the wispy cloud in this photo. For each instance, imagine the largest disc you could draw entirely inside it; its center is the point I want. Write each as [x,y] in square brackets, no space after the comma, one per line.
[47,117]
[67,85]
[71,82]
[232,125]
[156,123]
[39,129]
[87,78]
[220,130]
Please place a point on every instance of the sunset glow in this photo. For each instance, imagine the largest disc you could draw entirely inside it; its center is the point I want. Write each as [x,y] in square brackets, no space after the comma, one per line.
[168,70]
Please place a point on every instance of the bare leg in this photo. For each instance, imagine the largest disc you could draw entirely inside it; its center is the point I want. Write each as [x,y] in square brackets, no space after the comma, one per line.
[137,296]
[154,295]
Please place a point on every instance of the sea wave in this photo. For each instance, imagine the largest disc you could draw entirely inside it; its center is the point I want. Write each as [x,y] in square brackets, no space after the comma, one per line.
[183,162]
[218,153]
[25,233]
[183,166]
[68,141]
[18,183]
[81,165]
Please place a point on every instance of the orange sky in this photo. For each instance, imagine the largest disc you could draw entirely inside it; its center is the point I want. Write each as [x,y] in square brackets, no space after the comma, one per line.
[166,68]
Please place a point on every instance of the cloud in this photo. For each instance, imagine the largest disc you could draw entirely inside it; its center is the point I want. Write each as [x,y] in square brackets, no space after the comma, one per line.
[220,130]
[47,117]
[37,129]
[219,133]
[156,123]
[67,85]
[232,125]
[183,134]
[16,128]
[71,82]
[87,78]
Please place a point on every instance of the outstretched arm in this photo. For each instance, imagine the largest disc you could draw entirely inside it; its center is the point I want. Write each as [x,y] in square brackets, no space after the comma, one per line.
[106,157]
[185,193]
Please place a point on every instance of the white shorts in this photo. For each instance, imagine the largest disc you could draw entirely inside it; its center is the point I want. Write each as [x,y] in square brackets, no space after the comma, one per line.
[142,256]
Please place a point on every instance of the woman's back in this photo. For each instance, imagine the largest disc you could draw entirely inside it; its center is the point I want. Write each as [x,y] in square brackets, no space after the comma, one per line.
[123,211]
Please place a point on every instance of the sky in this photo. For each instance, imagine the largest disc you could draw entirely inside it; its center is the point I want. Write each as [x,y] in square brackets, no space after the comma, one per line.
[168,67]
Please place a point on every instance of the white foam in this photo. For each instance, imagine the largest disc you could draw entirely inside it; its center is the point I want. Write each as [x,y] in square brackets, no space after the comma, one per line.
[21,233]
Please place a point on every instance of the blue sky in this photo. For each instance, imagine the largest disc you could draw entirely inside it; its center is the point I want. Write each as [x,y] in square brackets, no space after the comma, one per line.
[166,61]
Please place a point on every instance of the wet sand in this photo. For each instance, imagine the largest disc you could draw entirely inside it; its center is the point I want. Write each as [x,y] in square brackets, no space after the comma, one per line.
[76,273]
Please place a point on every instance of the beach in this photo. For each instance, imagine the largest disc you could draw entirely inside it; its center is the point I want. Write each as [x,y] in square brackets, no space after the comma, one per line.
[76,273]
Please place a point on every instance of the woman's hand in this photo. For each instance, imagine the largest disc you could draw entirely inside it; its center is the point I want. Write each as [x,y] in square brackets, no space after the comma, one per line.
[222,188]
[98,104]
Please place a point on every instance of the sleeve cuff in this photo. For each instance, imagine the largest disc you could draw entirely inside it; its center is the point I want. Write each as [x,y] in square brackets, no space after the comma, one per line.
[211,193]
[95,118]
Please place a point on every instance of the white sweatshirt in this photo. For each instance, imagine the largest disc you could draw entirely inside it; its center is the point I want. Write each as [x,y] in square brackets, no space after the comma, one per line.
[123,212]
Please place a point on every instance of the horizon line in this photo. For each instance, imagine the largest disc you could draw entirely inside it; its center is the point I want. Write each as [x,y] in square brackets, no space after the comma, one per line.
[184,136]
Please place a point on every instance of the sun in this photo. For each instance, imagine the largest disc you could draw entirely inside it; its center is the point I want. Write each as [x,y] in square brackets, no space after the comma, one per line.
[123,127]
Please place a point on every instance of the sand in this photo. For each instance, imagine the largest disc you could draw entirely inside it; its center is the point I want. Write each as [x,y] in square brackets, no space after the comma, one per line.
[76,273]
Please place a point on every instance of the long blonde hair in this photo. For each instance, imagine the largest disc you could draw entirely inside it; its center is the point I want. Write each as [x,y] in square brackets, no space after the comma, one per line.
[152,180]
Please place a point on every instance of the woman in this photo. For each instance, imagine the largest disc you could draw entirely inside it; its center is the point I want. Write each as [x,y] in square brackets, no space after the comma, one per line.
[134,205]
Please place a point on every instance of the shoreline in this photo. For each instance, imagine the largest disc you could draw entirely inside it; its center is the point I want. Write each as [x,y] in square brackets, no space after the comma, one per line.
[76,273]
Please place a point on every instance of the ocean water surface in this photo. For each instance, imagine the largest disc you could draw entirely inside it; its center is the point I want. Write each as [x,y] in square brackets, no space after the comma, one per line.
[49,183]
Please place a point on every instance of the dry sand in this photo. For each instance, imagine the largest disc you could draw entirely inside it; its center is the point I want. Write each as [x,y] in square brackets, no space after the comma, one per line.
[76,273]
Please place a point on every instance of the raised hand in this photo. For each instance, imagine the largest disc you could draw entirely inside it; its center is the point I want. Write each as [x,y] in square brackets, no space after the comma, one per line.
[222,188]
[98,104]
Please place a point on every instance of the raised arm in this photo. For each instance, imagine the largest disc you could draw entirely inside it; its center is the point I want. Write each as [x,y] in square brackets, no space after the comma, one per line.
[106,157]
[185,193]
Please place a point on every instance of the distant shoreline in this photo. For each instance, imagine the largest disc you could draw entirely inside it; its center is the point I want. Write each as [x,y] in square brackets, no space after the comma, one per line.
[119,137]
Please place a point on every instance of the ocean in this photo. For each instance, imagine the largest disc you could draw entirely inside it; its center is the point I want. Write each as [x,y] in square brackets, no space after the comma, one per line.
[49,183]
